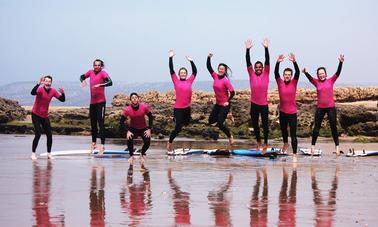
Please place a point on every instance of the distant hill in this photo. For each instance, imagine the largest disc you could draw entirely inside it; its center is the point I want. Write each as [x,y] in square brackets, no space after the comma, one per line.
[77,96]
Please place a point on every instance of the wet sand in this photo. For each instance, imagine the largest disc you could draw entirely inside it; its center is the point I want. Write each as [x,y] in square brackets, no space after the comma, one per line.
[194,190]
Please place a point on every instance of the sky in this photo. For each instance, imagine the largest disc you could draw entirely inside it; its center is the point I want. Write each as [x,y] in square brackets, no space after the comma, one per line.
[62,38]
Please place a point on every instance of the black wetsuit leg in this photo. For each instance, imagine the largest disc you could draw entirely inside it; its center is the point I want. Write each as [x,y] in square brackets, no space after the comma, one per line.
[332,116]
[219,115]
[41,124]
[137,133]
[319,115]
[97,116]
[182,118]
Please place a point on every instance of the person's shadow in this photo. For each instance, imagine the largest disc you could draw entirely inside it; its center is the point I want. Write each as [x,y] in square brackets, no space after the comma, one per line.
[287,202]
[259,205]
[97,196]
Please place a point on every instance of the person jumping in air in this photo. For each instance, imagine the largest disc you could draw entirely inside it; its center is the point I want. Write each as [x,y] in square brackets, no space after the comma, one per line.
[326,102]
[137,127]
[287,89]
[40,117]
[183,90]
[259,81]
[223,94]
[99,79]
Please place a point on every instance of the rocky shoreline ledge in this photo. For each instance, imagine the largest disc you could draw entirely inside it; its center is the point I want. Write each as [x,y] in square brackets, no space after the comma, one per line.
[357,115]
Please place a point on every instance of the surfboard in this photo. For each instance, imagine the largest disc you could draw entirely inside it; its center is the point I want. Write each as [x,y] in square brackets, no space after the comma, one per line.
[186,151]
[361,153]
[307,151]
[219,152]
[85,152]
[254,152]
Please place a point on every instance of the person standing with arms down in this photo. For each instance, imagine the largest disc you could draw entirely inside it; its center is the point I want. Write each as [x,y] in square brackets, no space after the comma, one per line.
[326,102]
[183,90]
[287,89]
[99,79]
[224,92]
[40,117]
[137,127]
[259,82]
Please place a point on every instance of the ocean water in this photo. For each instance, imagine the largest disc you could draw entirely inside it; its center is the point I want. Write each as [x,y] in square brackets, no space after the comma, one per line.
[196,190]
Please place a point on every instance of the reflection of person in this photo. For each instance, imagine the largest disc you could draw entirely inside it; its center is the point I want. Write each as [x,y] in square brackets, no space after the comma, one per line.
[180,202]
[97,197]
[220,204]
[41,193]
[325,210]
[259,206]
[287,202]
[140,199]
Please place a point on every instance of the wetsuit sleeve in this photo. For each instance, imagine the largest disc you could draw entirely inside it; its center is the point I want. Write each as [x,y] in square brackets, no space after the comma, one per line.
[297,71]
[267,60]
[276,71]
[339,69]
[248,57]
[150,120]
[82,78]
[171,70]
[194,68]
[232,94]
[62,97]
[107,82]
[208,64]
[309,77]
[123,124]
[34,90]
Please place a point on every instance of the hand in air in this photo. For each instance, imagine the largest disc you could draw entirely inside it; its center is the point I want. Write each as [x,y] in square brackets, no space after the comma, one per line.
[265,43]
[341,58]
[171,53]
[248,44]
[292,57]
[280,58]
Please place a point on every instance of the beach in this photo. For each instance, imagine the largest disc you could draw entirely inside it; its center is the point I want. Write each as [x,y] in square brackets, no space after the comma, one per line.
[195,190]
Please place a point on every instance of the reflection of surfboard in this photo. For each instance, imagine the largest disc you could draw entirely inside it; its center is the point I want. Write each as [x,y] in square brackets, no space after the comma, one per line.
[86,152]
[256,153]
[360,153]
[307,151]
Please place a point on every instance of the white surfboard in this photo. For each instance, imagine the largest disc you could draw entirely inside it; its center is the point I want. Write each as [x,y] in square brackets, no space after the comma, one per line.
[361,153]
[85,152]
[307,151]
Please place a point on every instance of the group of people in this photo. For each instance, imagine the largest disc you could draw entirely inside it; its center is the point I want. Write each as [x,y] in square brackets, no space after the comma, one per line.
[224,92]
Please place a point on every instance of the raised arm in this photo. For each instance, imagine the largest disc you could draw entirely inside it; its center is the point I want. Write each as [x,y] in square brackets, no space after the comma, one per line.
[341,61]
[309,77]
[297,72]
[62,96]
[194,68]
[171,53]
[277,68]
[208,63]
[35,88]
[266,46]
[248,46]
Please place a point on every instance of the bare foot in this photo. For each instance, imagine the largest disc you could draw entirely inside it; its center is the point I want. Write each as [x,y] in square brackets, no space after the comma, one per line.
[33,156]
[101,151]
[265,148]
[312,149]
[131,160]
[231,140]
[295,158]
[257,146]
[93,147]
[169,146]
[49,156]
[285,148]
[337,150]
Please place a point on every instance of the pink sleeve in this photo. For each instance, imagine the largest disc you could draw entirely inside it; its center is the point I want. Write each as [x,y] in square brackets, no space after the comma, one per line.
[191,78]
[214,75]
[105,75]
[267,69]
[56,94]
[87,74]
[174,78]
[229,86]
[125,113]
[146,108]
[250,71]
[334,78]
[314,82]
